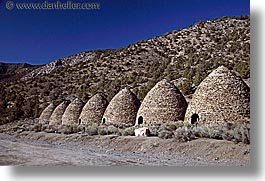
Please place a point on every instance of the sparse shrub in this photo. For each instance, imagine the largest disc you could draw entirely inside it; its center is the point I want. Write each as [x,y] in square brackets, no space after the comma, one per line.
[31,128]
[37,127]
[44,127]
[20,130]
[50,129]
[197,131]
[186,87]
[23,128]
[154,130]
[236,135]
[14,129]
[236,132]
[200,131]
[113,130]
[228,135]
[128,131]
[216,134]
[187,124]
[91,131]
[102,130]
[164,134]
[74,128]
[240,133]
[81,128]
[245,134]
[60,128]
[168,127]
[65,129]
[179,124]
[243,68]
[184,134]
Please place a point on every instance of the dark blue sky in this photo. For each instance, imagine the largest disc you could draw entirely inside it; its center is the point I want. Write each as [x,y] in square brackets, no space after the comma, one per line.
[41,36]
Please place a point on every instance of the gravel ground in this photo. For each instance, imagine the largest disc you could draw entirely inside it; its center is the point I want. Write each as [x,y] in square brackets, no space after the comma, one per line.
[30,148]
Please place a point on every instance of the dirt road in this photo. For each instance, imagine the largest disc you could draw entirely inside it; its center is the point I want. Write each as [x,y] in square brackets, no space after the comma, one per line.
[18,151]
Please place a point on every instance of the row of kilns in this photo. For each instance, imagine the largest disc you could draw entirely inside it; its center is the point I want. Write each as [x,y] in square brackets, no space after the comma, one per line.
[221,97]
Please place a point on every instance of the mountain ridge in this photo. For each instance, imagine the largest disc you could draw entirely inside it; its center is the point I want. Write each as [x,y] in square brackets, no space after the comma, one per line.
[11,71]
[63,61]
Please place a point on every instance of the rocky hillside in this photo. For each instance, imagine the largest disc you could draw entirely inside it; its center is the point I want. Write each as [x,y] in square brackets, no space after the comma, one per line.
[13,71]
[68,61]
[184,57]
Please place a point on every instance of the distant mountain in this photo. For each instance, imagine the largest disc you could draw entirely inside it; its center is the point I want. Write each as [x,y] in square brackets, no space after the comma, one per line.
[14,71]
[184,57]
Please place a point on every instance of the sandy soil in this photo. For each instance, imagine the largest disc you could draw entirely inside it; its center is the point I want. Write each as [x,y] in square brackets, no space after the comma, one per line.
[30,148]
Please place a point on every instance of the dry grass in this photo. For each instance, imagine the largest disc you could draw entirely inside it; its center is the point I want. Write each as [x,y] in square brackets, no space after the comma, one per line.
[91,131]
[238,132]
[180,131]
[128,131]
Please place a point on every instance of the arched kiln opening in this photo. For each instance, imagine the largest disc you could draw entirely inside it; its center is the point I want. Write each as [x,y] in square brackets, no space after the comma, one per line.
[103,120]
[194,118]
[140,120]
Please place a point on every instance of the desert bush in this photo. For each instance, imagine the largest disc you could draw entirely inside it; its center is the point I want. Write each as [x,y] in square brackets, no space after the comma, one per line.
[238,133]
[37,127]
[128,131]
[168,127]
[81,128]
[31,127]
[243,69]
[102,130]
[44,126]
[74,128]
[113,130]
[216,134]
[202,131]
[165,134]
[245,132]
[184,134]
[91,131]
[23,128]
[187,124]
[50,129]
[228,135]
[65,129]
[179,124]
[20,130]
[154,130]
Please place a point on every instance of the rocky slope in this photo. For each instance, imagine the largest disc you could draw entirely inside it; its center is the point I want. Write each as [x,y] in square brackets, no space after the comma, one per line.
[184,57]
[226,39]
[14,71]
[68,61]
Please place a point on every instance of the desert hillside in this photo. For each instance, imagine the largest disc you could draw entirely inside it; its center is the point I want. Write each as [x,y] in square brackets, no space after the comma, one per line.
[15,71]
